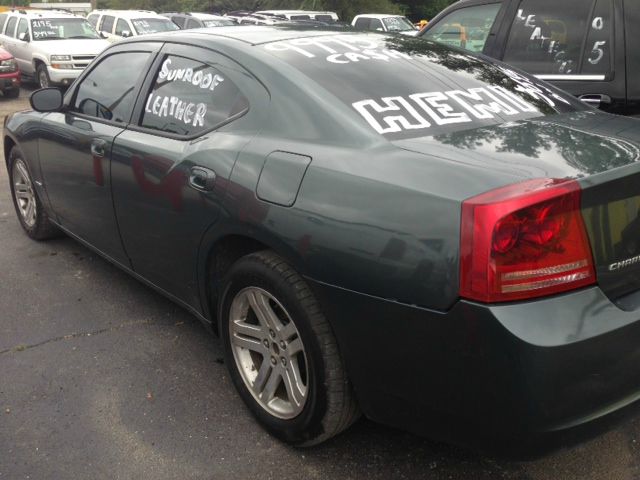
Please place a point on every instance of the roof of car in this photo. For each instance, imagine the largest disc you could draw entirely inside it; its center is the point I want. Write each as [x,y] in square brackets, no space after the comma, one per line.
[378,15]
[259,34]
[129,13]
[207,16]
[44,14]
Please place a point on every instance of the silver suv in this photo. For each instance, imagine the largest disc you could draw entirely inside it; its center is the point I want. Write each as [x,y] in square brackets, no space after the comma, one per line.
[50,47]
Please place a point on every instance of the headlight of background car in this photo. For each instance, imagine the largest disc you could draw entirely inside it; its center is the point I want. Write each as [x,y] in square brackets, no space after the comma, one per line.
[9,65]
[61,61]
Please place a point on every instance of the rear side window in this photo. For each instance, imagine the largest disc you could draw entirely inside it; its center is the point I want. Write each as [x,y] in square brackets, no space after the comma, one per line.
[11,26]
[189,97]
[362,24]
[107,23]
[93,19]
[108,91]
[466,28]
[191,23]
[561,38]
[405,87]
[3,20]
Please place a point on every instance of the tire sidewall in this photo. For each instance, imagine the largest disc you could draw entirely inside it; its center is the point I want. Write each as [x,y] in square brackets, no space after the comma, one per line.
[308,424]
[42,71]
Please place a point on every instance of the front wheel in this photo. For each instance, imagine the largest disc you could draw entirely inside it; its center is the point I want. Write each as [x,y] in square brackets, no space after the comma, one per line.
[281,353]
[42,75]
[32,216]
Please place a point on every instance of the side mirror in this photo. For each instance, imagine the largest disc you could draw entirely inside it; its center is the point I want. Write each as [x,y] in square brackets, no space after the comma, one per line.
[126,33]
[102,35]
[46,100]
[24,36]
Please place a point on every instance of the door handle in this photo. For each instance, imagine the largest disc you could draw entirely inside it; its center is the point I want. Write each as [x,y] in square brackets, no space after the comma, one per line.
[98,147]
[202,179]
[595,100]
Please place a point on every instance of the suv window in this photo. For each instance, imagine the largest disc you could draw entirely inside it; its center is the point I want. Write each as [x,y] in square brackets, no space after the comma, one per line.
[375,24]
[107,23]
[3,19]
[189,97]
[178,21]
[549,38]
[93,19]
[11,26]
[23,28]
[465,28]
[362,23]
[191,23]
[108,91]
[122,26]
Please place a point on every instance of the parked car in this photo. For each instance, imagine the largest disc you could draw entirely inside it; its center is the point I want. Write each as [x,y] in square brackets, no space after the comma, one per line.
[370,222]
[384,23]
[583,47]
[9,75]
[118,24]
[199,20]
[326,17]
[49,46]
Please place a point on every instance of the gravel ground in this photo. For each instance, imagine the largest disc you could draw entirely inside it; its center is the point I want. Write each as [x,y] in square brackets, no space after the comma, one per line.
[102,378]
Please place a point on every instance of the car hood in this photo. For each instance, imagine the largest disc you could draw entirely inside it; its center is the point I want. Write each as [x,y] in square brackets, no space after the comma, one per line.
[72,47]
[572,145]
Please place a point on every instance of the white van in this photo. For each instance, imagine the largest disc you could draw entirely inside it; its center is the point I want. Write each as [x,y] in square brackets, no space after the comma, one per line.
[118,24]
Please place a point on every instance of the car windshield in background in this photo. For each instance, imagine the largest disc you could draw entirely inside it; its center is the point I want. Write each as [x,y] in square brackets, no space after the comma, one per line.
[218,23]
[397,24]
[153,25]
[61,28]
[406,87]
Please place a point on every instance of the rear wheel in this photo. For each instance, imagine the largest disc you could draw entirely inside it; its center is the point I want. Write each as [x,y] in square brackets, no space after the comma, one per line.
[31,214]
[281,352]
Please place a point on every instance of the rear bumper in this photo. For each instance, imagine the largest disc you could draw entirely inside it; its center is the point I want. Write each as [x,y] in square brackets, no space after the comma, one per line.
[483,372]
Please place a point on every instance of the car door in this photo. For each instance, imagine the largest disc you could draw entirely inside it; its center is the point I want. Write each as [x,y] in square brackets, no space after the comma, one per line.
[76,146]
[105,27]
[170,170]
[472,26]
[22,47]
[578,45]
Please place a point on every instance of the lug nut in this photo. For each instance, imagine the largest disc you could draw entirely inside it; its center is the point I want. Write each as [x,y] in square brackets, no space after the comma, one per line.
[284,361]
[266,343]
[272,333]
[273,360]
[283,345]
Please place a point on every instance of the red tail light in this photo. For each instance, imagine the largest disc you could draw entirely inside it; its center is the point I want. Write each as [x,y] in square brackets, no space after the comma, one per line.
[523,241]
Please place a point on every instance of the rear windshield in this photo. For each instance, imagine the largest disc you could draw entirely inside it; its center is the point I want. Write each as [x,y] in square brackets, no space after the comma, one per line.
[406,87]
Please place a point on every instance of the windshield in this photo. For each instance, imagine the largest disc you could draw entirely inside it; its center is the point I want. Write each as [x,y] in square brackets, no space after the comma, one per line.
[60,28]
[406,87]
[218,23]
[153,25]
[397,24]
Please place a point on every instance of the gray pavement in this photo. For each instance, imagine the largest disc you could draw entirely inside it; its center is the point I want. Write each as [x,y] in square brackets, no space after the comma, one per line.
[102,378]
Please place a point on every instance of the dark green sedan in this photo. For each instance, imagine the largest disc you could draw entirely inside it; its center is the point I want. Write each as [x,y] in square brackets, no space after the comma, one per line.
[371,223]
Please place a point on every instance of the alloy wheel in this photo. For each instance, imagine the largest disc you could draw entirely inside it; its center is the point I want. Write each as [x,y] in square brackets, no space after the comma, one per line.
[24,194]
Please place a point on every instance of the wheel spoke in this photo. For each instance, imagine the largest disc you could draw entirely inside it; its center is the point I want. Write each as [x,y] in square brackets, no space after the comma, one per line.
[288,331]
[248,330]
[252,344]
[260,305]
[23,194]
[265,372]
[294,347]
[294,390]
[30,214]
[272,385]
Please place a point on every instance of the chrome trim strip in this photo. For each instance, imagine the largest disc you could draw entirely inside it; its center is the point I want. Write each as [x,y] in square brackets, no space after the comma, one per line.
[572,77]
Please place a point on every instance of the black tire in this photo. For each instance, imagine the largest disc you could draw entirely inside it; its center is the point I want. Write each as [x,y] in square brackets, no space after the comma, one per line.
[42,76]
[330,405]
[12,93]
[42,228]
